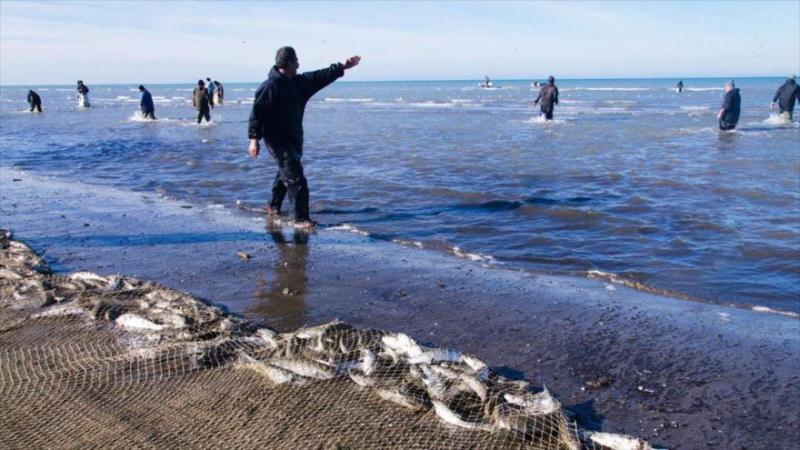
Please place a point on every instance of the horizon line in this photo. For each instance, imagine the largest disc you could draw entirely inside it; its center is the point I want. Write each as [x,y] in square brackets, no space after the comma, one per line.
[703,77]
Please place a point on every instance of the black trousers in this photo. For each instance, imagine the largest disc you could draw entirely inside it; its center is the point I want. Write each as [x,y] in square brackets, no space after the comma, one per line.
[547,113]
[150,115]
[725,126]
[37,106]
[290,178]
[204,112]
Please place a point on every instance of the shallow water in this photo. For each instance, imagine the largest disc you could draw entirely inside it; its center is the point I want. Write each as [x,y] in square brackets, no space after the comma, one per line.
[632,182]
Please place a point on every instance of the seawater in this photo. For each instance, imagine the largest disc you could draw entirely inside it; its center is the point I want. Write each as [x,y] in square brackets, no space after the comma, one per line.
[632,182]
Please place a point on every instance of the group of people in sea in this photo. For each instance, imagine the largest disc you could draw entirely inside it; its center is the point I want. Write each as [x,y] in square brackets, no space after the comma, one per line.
[280,101]
[727,117]
[203,98]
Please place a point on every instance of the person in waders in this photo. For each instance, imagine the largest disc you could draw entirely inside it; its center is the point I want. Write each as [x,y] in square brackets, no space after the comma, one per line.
[548,96]
[277,118]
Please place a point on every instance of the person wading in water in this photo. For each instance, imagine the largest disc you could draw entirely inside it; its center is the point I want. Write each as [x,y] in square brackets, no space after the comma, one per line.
[277,117]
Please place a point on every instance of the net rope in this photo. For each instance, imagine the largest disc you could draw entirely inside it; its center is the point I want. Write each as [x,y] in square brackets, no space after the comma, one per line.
[97,361]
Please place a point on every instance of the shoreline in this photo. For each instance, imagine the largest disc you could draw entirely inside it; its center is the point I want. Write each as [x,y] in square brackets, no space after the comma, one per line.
[674,372]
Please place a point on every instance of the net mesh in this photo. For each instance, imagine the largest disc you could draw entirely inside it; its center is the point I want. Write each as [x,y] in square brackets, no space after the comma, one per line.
[94,361]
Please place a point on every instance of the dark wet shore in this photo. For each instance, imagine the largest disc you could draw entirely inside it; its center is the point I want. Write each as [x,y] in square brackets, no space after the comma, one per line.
[679,374]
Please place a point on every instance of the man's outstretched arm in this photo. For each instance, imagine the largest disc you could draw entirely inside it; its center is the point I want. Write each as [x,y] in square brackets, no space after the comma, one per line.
[318,79]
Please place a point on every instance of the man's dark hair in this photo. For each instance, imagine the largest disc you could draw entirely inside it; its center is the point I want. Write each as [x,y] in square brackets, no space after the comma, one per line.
[141,88]
[284,56]
[551,79]
[201,83]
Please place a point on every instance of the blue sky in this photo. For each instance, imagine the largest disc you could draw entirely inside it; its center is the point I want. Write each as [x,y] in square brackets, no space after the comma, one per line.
[161,42]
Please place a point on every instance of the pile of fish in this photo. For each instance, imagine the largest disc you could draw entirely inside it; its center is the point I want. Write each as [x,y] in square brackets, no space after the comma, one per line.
[459,389]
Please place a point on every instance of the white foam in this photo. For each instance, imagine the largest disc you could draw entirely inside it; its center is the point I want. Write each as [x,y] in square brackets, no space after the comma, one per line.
[540,120]
[610,89]
[349,100]
[431,104]
[695,108]
[764,309]
[777,119]
[407,243]
[349,228]
[471,256]
[703,89]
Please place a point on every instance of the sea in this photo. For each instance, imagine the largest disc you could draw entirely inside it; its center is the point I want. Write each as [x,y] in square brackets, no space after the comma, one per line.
[632,183]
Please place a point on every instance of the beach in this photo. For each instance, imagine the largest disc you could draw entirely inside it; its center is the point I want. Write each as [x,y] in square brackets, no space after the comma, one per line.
[678,373]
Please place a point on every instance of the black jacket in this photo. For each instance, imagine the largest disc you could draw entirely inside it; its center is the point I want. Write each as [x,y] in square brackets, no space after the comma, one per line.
[786,95]
[83,89]
[147,102]
[548,96]
[279,105]
[33,98]
[732,106]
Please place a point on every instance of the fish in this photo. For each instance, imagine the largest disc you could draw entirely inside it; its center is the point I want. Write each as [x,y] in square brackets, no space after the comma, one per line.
[304,368]
[401,398]
[275,374]
[613,441]
[452,418]
[134,322]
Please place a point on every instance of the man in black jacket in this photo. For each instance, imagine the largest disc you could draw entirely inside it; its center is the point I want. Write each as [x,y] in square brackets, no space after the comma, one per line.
[728,114]
[146,104]
[548,96]
[277,117]
[786,96]
[34,100]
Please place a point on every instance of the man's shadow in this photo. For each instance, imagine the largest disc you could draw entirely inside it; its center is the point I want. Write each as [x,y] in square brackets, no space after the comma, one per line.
[281,302]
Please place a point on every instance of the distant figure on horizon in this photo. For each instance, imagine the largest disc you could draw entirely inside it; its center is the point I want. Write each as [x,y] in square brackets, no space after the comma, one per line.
[728,114]
[548,96]
[785,97]
[148,108]
[219,93]
[487,82]
[277,117]
[83,95]
[202,102]
[211,89]
[679,86]
[34,100]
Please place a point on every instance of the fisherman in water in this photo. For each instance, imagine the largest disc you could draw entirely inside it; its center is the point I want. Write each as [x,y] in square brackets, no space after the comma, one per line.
[202,102]
[728,114]
[548,95]
[83,95]
[146,104]
[679,86]
[785,97]
[277,117]
[34,100]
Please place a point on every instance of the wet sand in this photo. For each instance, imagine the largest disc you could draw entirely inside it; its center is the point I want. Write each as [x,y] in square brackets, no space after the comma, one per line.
[679,374]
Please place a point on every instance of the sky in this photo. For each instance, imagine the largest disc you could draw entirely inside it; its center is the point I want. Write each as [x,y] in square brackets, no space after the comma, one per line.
[177,42]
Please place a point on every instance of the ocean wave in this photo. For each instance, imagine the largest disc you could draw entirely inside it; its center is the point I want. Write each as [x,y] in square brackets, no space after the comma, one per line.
[706,89]
[408,243]
[348,100]
[349,228]
[457,251]
[610,89]
[777,120]
[695,108]
[540,120]
[764,309]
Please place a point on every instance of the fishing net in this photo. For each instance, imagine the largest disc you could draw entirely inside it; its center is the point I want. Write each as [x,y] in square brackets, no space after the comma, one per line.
[105,362]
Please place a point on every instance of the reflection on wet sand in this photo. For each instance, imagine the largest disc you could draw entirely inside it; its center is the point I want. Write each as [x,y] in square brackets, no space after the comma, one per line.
[281,302]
